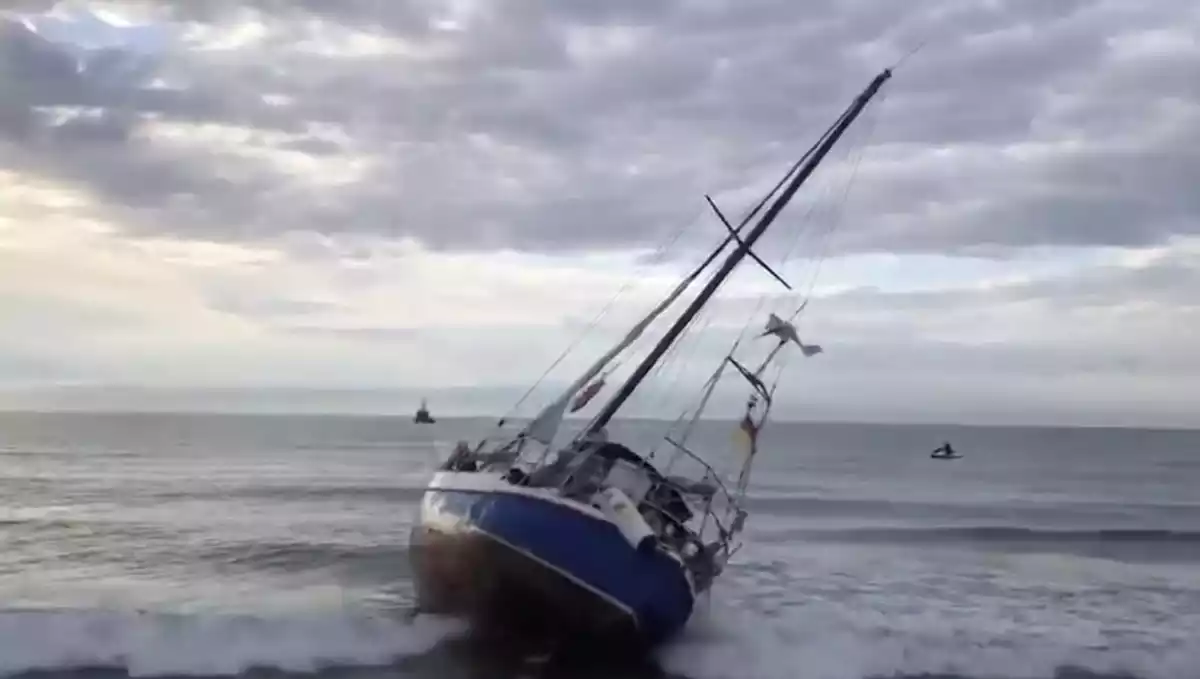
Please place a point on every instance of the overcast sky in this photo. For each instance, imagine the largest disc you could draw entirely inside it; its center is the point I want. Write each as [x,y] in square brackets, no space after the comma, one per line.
[415,195]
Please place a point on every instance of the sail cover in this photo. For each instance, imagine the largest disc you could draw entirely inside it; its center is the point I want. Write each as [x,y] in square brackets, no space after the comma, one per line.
[587,395]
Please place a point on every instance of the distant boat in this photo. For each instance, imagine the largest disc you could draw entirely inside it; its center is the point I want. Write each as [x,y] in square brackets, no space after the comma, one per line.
[594,540]
[423,416]
[944,452]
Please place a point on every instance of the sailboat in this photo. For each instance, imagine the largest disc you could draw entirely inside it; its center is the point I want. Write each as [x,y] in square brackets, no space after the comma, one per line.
[591,539]
[423,416]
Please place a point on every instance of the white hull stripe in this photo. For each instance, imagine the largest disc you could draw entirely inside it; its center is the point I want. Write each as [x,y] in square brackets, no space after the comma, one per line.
[483,482]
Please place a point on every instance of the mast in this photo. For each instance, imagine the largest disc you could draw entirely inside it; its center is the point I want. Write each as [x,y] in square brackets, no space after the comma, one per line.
[545,425]
[739,253]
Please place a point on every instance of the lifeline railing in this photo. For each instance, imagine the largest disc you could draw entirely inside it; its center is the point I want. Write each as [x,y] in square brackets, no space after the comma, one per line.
[707,499]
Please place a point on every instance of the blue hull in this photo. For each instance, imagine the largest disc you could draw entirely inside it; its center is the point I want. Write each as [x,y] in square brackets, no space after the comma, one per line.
[492,555]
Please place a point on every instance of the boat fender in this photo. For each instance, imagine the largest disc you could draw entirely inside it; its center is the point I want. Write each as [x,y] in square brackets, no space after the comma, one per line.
[619,509]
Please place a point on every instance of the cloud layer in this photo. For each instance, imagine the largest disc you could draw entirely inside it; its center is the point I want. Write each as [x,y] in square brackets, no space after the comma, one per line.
[224,191]
[550,126]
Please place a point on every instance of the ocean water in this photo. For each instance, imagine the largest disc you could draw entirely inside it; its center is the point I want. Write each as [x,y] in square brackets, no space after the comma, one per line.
[205,545]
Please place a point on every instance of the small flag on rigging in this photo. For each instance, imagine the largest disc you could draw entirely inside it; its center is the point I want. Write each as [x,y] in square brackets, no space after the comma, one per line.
[786,332]
[749,430]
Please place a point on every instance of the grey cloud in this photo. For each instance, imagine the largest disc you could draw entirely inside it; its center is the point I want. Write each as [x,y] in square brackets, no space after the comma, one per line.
[1138,324]
[37,74]
[1134,190]
[508,137]
[1169,281]
[96,147]
[405,17]
[1105,321]
[239,303]
[358,333]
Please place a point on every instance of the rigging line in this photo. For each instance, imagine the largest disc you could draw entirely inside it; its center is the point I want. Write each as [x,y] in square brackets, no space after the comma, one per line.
[688,410]
[781,364]
[670,354]
[778,185]
[758,307]
[745,326]
[823,237]
[746,219]
[800,236]
[818,234]
[830,189]
[763,299]
[732,260]
[662,250]
[822,247]
[613,368]
[689,346]
[841,207]
[803,230]
[800,233]
[632,350]
[775,189]
[659,252]
[783,360]
[782,181]
[911,52]
[669,359]
[793,169]
[686,344]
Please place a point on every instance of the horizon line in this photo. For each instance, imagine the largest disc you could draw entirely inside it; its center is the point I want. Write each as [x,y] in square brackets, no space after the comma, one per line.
[67,411]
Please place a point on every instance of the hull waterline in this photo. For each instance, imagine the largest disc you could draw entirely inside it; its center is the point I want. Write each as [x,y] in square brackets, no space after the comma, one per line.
[519,562]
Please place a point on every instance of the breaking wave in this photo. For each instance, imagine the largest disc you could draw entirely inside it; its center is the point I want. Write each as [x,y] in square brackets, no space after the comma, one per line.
[732,644]
[792,505]
[147,645]
[301,493]
[106,644]
[1007,534]
[1121,544]
[292,557]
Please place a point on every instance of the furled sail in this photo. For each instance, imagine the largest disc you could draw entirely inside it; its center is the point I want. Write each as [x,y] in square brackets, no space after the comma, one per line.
[589,392]
[544,427]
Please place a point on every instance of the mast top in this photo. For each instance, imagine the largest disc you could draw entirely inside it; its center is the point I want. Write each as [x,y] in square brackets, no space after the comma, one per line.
[799,174]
